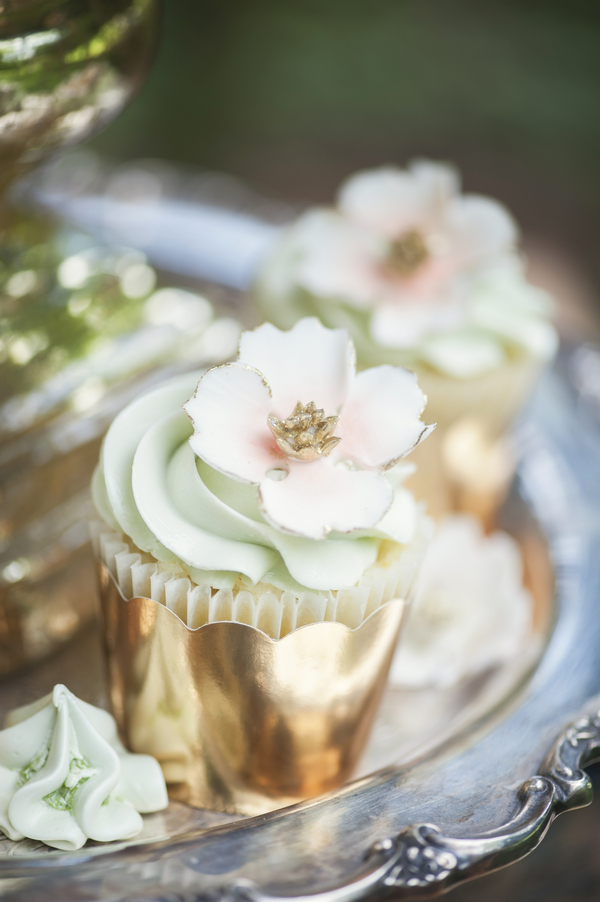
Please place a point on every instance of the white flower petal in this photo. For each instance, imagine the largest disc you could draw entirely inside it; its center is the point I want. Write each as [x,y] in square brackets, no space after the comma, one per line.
[335,258]
[480,228]
[308,363]
[229,412]
[392,201]
[380,421]
[471,610]
[318,498]
[442,180]
[215,500]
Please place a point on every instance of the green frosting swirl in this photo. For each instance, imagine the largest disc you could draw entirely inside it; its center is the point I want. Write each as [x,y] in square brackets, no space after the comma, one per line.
[150,485]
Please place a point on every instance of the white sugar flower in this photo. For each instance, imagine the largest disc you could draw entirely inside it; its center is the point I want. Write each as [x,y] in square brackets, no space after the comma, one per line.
[402,242]
[471,610]
[293,417]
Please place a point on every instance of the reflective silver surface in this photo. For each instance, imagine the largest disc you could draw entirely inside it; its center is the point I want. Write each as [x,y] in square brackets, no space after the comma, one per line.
[490,793]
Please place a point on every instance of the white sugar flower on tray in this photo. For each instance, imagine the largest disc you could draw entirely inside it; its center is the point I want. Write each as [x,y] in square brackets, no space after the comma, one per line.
[471,610]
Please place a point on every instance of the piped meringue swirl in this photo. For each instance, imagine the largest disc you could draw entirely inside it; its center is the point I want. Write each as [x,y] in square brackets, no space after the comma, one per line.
[65,777]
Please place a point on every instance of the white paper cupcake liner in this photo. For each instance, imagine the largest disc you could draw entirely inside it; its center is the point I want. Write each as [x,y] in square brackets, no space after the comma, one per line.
[263,606]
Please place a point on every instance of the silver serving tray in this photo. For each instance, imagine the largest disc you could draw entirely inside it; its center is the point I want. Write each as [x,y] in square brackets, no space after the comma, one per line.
[483,773]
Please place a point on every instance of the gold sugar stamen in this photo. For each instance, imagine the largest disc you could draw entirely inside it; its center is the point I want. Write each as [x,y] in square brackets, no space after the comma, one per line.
[407,254]
[306,434]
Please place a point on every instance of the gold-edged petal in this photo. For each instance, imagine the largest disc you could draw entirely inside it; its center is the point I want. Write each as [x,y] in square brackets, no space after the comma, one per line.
[318,497]
[229,413]
[381,420]
[308,360]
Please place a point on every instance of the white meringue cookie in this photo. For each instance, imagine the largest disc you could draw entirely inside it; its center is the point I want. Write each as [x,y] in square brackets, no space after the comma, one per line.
[65,777]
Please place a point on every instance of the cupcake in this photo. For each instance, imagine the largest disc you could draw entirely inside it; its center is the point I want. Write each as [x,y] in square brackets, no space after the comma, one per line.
[256,550]
[425,277]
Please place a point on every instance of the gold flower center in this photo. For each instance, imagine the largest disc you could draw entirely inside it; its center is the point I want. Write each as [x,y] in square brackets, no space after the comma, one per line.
[306,434]
[407,253]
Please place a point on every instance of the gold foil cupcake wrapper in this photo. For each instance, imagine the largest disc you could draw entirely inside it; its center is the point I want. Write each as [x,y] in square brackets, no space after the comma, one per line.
[467,463]
[494,398]
[240,721]
[274,612]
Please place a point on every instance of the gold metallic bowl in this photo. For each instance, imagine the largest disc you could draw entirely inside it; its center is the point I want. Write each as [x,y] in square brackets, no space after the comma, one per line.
[241,722]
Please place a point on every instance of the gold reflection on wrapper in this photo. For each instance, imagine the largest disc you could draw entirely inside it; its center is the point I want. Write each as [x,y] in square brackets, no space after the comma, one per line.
[241,722]
[467,464]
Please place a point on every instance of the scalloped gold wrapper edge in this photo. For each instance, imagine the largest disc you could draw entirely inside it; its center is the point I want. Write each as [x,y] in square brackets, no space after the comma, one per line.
[241,722]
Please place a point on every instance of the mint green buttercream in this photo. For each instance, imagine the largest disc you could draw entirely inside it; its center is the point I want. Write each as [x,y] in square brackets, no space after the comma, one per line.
[150,485]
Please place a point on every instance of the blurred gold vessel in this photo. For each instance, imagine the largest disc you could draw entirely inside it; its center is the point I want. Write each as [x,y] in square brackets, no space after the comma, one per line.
[67,68]
[241,722]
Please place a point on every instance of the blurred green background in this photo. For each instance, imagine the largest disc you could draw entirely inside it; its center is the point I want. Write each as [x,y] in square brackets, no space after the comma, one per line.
[292,96]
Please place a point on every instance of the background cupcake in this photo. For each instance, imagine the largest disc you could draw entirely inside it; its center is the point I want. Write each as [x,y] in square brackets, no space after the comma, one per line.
[423,276]
[266,494]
